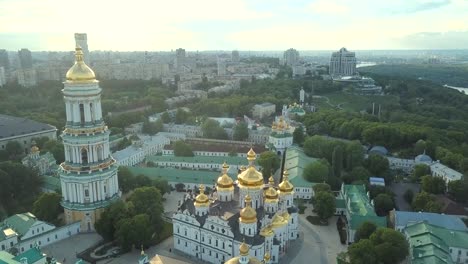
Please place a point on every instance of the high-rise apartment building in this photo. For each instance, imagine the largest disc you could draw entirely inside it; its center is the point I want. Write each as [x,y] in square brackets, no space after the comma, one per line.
[291,57]
[235,56]
[25,58]
[81,39]
[343,63]
[4,61]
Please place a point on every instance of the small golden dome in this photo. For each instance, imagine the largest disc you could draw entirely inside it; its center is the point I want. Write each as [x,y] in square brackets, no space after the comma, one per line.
[80,72]
[202,199]
[271,195]
[243,168]
[267,257]
[250,177]
[244,249]
[285,186]
[224,181]
[251,155]
[278,221]
[34,149]
[267,231]
[248,215]
[225,165]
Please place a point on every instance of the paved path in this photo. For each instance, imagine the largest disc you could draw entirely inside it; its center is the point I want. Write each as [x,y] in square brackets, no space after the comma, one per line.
[66,249]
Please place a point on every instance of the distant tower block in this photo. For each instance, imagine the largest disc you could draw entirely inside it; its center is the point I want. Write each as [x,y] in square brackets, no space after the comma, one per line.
[81,39]
[301,96]
[235,56]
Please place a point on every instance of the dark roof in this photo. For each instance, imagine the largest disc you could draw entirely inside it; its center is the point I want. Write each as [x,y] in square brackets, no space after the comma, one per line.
[380,150]
[15,126]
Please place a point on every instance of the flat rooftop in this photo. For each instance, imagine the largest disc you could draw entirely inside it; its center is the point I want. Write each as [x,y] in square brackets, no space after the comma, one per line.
[11,126]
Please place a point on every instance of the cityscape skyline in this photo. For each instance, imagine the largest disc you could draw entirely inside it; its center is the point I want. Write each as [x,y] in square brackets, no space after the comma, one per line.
[241,25]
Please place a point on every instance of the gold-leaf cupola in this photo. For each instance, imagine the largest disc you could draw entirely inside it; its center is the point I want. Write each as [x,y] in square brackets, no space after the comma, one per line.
[202,199]
[271,195]
[250,177]
[285,186]
[80,72]
[248,215]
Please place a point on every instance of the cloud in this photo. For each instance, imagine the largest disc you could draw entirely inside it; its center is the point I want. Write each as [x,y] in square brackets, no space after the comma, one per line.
[435,40]
[328,7]
[410,7]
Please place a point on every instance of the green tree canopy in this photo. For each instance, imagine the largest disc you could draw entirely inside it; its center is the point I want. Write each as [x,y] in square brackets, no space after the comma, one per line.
[270,162]
[152,128]
[364,231]
[165,118]
[434,185]
[298,135]
[182,149]
[14,150]
[316,171]
[47,207]
[358,174]
[390,245]
[377,165]
[212,129]
[321,187]
[241,131]
[420,170]
[337,161]
[362,252]
[383,203]
[459,190]
[324,205]
[181,116]
[426,202]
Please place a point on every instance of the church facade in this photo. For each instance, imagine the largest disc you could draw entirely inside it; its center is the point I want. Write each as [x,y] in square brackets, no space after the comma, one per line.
[246,212]
[88,176]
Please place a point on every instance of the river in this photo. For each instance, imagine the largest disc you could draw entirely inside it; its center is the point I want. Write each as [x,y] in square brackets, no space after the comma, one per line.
[461,89]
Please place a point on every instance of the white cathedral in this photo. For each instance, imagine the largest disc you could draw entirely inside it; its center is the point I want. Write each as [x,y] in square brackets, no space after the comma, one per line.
[247,216]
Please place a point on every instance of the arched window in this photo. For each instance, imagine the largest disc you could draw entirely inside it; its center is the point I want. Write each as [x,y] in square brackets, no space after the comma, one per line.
[84,156]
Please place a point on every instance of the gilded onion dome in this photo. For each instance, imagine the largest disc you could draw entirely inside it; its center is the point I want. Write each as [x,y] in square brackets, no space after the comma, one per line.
[271,195]
[278,221]
[248,215]
[244,253]
[250,177]
[34,149]
[273,125]
[202,199]
[244,249]
[267,231]
[224,182]
[285,186]
[80,72]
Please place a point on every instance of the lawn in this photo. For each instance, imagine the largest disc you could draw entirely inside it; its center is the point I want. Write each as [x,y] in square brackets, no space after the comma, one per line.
[354,102]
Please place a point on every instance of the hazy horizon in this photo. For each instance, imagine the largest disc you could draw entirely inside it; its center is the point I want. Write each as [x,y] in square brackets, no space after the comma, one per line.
[256,25]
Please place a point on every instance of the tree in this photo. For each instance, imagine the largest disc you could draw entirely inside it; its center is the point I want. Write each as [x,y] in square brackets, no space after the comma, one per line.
[359,174]
[362,252]
[165,118]
[126,179]
[47,207]
[56,148]
[426,202]
[364,231]
[434,185]
[107,224]
[321,187]
[408,196]
[14,150]
[152,128]
[162,185]
[420,170]
[354,155]
[390,246]
[458,190]
[324,205]
[142,230]
[337,161]
[181,116]
[241,131]
[124,234]
[377,165]
[316,171]
[148,200]
[383,203]
[180,187]
[298,135]
[212,129]
[270,162]
[182,149]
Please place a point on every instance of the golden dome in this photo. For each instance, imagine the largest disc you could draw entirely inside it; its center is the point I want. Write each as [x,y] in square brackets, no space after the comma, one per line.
[244,249]
[273,125]
[243,168]
[285,186]
[278,221]
[251,155]
[248,215]
[250,177]
[202,199]
[225,165]
[267,231]
[271,194]
[34,149]
[80,72]
[224,181]
[267,257]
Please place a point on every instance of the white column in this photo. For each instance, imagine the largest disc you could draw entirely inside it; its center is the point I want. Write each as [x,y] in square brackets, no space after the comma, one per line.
[68,110]
[64,190]
[103,196]
[76,112]
[98,197]
[87,112]
[82,196]
[98,110]
[69,194]
[95,154]
[91,192]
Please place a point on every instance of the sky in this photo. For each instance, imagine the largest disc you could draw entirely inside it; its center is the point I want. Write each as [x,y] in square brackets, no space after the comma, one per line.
[164,25]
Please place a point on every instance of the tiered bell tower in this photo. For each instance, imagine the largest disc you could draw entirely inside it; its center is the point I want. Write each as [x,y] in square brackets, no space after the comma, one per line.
[88,175]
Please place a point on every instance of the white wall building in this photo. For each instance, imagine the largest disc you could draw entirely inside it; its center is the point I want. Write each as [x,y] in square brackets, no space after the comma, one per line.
[263,110]
[139,150]
[212,227]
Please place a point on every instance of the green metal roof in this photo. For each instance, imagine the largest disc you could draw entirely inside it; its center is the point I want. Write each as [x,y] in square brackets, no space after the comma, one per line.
[215,160]
[295,162]
[7,258]
[33,255]
[178,175]
[360,208]
[20,223]
[453,238]
[51,183]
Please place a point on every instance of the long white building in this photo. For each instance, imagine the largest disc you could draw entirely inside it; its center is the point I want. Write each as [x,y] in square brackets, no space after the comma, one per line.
[215,227]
